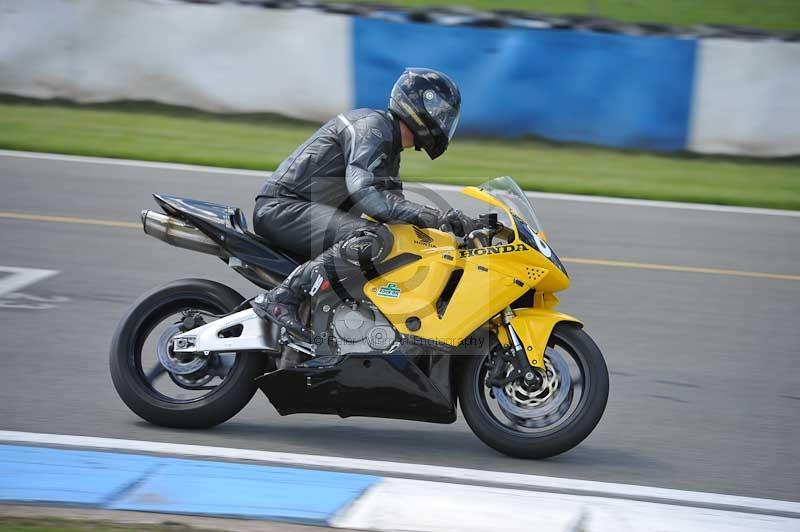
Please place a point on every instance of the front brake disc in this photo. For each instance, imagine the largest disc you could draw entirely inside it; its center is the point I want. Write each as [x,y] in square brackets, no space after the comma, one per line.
[553,405]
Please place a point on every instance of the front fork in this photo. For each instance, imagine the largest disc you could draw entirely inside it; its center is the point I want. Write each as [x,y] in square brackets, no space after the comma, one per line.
[514,353]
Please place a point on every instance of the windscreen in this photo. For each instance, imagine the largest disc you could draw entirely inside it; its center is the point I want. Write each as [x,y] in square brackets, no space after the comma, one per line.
[506,190]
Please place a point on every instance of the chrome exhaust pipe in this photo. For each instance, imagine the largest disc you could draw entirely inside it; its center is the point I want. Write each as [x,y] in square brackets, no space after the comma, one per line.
[179,233]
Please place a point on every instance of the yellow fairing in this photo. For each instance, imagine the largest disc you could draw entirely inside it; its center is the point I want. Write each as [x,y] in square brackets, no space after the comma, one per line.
[534,326]
[478,194]
[491,279]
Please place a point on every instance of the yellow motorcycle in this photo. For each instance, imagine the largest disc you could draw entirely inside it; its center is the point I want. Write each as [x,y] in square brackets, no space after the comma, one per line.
[438,322]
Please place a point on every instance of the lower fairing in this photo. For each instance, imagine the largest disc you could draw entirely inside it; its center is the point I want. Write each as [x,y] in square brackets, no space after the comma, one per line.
[397,386]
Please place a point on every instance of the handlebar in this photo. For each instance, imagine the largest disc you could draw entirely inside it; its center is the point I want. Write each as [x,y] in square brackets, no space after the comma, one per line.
[488,228]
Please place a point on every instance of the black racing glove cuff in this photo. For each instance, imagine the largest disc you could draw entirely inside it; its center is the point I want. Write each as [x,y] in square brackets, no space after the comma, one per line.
[429,217]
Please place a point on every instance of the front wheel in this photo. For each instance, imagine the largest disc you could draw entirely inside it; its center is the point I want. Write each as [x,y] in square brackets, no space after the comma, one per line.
[171,390]
[549,418]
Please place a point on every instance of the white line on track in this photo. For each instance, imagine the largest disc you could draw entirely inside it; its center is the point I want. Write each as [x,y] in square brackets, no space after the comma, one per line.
[429,472]
[664,204]
[130,162]
[445,188]
[19,278]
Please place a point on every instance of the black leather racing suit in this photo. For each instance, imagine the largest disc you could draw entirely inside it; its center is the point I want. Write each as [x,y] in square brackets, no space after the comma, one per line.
[348,167]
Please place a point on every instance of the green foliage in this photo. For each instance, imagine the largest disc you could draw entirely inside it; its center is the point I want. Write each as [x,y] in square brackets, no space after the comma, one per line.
[11,524]
[160,133]
[783,15]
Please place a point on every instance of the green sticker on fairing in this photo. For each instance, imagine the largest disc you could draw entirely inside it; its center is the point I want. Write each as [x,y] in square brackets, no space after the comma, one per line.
[391,290]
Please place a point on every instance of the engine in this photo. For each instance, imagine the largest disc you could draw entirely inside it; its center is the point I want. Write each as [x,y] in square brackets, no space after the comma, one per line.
[360,328]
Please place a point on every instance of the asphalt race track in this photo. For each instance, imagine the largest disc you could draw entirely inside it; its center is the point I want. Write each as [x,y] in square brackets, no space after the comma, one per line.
[705,386]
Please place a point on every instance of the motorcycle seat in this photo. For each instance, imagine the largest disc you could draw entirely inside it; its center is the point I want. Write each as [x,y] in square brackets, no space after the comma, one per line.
[239,224]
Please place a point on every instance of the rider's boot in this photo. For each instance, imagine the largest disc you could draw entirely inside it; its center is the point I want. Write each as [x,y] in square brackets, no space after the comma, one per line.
[282,304]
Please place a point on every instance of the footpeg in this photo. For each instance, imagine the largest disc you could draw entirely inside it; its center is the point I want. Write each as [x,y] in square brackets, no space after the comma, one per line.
[302,347]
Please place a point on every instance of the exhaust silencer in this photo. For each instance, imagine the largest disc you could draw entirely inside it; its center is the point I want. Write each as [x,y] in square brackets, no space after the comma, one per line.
[179,233]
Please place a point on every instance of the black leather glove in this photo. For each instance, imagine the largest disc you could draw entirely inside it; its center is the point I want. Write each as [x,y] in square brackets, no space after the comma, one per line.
[457,222]
[428,217]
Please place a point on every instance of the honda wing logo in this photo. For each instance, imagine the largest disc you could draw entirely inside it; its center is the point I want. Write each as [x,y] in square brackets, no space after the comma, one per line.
[423,239]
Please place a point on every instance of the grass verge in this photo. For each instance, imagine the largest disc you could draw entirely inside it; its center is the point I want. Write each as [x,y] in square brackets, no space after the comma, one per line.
[163,133]
[776,15]
[12,524]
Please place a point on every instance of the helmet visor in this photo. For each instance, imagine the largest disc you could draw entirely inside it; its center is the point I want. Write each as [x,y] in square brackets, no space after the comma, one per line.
[442,112]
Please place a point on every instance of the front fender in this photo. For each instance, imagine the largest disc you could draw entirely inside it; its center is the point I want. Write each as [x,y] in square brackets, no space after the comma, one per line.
[534,326]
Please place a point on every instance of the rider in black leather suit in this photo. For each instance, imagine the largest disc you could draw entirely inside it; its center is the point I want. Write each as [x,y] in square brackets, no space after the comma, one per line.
[312,205]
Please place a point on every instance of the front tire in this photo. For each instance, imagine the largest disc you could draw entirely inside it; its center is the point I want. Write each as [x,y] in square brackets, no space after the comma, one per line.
[134,383]
[503,424]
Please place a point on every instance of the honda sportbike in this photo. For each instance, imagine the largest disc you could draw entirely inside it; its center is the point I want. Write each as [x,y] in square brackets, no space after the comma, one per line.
[436,323]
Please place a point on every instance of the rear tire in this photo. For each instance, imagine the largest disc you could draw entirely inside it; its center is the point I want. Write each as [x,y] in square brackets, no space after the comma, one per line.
[571,430]
[133,387]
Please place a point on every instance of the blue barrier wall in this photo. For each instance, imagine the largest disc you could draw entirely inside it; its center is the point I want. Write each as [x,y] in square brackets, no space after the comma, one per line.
[614,90]
[709,95]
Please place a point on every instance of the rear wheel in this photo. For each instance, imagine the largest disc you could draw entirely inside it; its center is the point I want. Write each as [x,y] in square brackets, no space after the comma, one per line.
[171,390]
[546,418]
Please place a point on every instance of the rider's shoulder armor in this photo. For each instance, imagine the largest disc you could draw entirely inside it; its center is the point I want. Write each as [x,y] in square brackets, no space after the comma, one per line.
[316,170]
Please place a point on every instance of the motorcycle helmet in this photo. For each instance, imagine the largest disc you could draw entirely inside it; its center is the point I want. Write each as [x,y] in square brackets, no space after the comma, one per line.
[429,103]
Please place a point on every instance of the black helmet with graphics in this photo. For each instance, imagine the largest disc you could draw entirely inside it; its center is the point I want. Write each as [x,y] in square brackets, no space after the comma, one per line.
[428,102]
